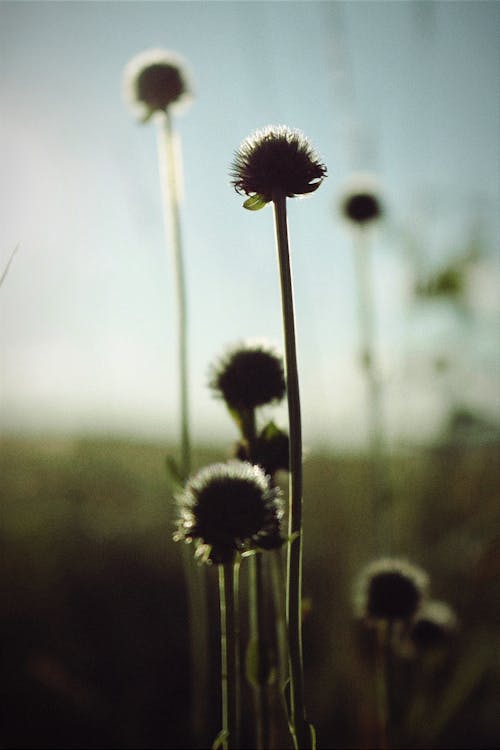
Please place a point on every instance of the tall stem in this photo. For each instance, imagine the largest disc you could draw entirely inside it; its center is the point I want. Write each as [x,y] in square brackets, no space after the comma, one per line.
[195,575]
[380,488]
[381,688]
[229,630]
[257,669]
[168,155]
[299,727]
[259,645]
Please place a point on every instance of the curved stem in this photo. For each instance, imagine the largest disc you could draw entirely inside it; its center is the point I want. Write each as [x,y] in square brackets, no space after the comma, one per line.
[299,727]
[169,179]
[229,630]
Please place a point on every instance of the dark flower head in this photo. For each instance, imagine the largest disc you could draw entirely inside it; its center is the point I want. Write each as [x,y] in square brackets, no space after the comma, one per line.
[271,453]
[389,589]
[360,202]
[228,508]
[250,374]
[155,80]
[276,161]
[433,626]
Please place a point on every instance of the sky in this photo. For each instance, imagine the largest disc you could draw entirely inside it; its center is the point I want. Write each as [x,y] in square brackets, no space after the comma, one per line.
[405,90]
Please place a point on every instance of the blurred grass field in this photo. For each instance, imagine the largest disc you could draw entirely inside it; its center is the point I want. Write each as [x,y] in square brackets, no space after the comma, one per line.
[94,615]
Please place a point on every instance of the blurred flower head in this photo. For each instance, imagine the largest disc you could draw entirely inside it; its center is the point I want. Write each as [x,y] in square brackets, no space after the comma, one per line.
[389,589]
[276,161]
[248,375]
[270,450]
[433,626]
[229,508]
[360,199]
[155,80]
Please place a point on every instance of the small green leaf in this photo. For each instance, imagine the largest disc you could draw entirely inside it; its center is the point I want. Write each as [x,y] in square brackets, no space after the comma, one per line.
[255,203]
[270,431]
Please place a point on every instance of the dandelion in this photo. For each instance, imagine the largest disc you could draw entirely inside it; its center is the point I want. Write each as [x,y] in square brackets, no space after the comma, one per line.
[390,589]
[229,509]
[271,165]
[249,375]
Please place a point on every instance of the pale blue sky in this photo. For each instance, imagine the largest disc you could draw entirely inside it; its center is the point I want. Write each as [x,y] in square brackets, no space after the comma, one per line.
[408,90]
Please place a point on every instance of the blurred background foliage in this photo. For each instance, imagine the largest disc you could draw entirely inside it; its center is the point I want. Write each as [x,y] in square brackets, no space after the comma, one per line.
[94,620]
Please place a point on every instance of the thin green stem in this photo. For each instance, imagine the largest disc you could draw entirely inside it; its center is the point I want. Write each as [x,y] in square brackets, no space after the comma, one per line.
[230,661]
[259,645]
[299,727]
[258,665]
[278,589]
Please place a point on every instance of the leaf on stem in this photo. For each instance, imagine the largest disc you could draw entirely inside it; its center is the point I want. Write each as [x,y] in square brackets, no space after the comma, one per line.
[255,203]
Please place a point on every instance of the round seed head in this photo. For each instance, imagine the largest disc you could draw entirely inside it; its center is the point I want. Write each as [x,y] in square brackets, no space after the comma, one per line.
[360,201]
[276,160]
[271,452]
[389,589]
[433,626]
[248,375]
[155,80]
[228,508]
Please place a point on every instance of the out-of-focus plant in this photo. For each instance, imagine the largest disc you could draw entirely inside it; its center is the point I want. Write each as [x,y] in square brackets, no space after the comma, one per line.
[361,206]
[388,592]
[157,85]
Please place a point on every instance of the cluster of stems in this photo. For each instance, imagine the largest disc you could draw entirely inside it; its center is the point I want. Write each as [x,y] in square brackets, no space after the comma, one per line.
[289,637]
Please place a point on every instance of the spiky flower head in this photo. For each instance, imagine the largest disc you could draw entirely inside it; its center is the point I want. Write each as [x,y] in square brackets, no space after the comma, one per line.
[389,589]
[433,626]
[276,161]
[229,508]
[360,200]
[248,375]
[155,80]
